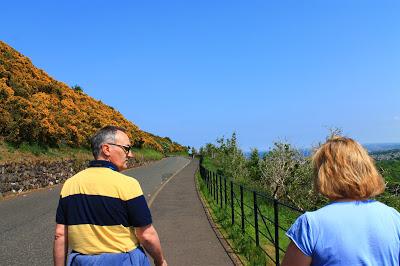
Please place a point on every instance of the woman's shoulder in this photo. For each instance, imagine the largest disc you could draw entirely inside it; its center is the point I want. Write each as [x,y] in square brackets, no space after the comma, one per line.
[385,208]
[351,208]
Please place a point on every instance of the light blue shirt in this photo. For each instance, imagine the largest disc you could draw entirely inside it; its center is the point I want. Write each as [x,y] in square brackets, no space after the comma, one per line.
[349,233]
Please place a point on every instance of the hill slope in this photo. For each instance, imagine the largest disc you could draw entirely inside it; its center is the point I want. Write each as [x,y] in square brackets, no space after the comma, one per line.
[36,108]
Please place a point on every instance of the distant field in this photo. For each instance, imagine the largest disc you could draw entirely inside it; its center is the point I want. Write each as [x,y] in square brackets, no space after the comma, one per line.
[380,151]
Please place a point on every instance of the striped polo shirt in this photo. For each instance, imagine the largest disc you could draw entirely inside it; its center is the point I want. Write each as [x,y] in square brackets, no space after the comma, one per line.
[101,207]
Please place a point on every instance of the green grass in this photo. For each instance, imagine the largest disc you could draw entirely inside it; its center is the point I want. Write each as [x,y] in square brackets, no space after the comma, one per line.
[245,243]
[242,245]
[147,154]
[26,151]
[180,153]
[209,164]
[33,148]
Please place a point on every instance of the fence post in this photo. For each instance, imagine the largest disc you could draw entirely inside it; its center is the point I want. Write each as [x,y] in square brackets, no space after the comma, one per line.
[242,206]
[210,184]
[213,183]
[206,175]
[276,223]
[226,201]
[220,190]
[232,204]
[208,181]
[216,187]
[256,218]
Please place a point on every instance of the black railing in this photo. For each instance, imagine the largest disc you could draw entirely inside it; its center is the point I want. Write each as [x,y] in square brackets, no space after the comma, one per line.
[267,218]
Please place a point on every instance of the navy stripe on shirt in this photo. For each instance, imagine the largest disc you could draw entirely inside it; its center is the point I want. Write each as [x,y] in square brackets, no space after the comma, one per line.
[102,210]
[139,206]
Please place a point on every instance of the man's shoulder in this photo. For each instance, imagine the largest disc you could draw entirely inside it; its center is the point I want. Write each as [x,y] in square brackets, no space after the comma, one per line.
[128,186]
[99,180]
[75,177]
[102,172]
[124,179]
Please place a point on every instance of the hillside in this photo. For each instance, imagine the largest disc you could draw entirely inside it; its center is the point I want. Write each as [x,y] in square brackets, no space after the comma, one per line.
[35,108]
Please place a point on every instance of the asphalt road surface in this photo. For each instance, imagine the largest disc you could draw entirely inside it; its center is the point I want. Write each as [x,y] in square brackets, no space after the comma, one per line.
[151,177]
[27,221]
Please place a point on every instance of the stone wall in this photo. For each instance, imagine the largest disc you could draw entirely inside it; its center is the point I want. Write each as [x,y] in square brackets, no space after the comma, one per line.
[23,176]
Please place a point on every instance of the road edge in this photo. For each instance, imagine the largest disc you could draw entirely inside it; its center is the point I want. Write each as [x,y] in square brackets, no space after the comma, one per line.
[221,238]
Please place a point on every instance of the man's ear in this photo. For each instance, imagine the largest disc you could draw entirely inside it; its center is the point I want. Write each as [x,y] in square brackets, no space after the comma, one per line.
[105,148]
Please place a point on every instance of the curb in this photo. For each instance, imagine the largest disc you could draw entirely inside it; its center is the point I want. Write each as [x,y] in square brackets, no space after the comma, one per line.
[224,243]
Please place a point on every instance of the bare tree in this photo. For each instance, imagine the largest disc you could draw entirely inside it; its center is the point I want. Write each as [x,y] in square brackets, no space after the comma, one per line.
[286,174]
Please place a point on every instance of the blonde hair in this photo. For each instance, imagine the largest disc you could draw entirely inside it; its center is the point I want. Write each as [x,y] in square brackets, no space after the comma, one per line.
[344,170]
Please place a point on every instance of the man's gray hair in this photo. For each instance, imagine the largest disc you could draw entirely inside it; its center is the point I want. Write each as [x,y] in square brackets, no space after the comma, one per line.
[104,135]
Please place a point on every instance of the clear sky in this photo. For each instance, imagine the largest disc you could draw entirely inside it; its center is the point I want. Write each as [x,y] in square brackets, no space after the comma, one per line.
[199,70]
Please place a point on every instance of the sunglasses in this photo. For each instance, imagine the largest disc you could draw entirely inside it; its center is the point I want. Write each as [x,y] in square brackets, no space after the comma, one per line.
[125,148]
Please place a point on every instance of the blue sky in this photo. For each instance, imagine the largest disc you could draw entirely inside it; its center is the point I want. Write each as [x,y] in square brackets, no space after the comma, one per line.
[199,70]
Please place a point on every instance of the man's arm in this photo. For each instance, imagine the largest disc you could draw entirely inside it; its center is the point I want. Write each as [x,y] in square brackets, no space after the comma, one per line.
[148,238]
[60,248]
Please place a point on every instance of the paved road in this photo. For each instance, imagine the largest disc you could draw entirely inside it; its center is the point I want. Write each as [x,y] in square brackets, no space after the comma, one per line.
[186,235]
[27,222]
[151,177]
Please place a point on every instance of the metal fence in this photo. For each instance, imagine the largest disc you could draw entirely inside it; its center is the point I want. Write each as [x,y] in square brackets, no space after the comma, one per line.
[263,219]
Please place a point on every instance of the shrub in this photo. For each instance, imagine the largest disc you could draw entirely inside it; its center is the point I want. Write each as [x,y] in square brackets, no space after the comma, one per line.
[77,88]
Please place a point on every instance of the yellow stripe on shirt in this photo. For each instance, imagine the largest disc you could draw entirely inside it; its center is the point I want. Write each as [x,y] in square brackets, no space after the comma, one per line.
[96,181]
[96,239]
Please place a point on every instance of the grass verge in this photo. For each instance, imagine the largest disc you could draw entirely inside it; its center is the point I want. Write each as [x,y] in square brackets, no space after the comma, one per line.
[179,153]
[242,245]
[147,154]
[34,152]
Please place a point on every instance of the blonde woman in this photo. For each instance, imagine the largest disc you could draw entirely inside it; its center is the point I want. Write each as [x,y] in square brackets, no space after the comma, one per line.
[353,229]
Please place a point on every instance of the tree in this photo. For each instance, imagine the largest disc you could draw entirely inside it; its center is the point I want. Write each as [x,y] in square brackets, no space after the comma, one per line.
[286,175]
[253,165]
[193,151]
[209,150]
[230,158]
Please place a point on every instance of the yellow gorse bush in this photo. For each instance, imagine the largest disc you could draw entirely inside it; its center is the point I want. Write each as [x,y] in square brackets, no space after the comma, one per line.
[35,108]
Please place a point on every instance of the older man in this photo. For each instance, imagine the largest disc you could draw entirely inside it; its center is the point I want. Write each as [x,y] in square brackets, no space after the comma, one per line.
[102,214]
